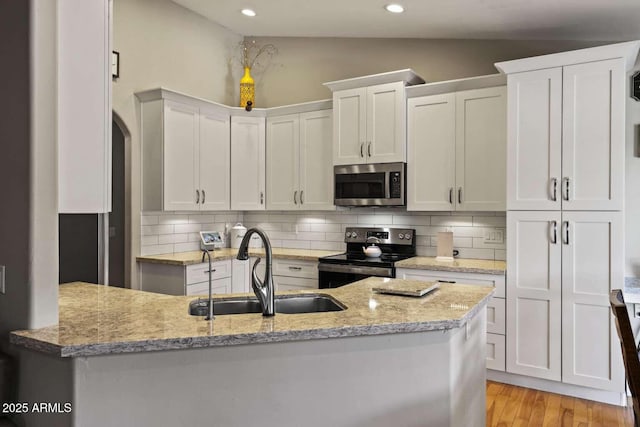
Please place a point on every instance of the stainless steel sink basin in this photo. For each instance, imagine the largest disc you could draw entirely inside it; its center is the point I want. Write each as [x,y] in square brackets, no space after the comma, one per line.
[285,304]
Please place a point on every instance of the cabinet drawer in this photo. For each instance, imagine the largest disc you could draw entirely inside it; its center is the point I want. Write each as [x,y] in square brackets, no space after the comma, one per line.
[496,316]
[199,272]
[495,352]
[295,268]
[463,278]
[220,286]
[285,283]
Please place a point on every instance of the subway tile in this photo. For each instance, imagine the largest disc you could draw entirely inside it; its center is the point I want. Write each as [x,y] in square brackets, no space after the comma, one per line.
[375,219]
[148,220]
[334,237]
[411,220]
[452,221]
[341,218]
[478,242]
[501,255]
[256,217]
[186,247]
[193,237]
[230,217]
[201,219]
[149,240]
[266,226]
[213,227]
[325,228]
[489,221]
[312,219]
[296,244]
[281,235]
[329,246]
[474,253]
[468,231]
[276,243]
[426,251]
[283,218]
[173,219]
[423,241]
[156,250]
[309,236]
[187,228]
[301,227]
[166,239]
[148,230]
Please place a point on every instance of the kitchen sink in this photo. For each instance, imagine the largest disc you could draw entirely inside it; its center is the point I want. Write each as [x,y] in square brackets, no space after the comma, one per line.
[285,304]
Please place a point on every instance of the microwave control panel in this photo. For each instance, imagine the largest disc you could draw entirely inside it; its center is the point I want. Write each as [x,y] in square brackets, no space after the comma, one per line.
[395,184]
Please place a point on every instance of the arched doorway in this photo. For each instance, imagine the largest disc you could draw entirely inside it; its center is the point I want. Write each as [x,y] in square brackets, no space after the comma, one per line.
[119,221]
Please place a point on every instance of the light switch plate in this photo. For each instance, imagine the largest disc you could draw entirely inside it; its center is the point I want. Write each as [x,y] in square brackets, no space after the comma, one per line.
[2,290]
[494,235]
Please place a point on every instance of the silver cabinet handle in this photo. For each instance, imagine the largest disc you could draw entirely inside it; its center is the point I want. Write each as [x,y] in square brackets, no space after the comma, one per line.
[362,149]
[554,191]
[450,195]
[197,196]
[459,194]
[566,183]
[369,149]
[295,197]
[565,226]
[554,225]
[295,268]
[302,197]
[262,198]
[203,196]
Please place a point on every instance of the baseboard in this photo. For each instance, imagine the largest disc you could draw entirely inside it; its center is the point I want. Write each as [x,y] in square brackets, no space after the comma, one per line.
[610,397]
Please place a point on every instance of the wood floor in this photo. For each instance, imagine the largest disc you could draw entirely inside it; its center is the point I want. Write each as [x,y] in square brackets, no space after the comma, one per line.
[509,405]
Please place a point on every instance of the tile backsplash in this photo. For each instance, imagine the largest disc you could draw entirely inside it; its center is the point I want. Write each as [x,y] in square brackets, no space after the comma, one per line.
[166,232]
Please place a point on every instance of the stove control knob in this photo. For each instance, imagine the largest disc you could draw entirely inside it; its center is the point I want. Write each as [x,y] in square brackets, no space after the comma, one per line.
[354,234]
[407,236]
[348,234]
[400,236]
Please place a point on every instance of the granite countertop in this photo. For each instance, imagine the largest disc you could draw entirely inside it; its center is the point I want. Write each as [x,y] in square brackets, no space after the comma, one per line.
[457,265]
[100,320]
[195,257]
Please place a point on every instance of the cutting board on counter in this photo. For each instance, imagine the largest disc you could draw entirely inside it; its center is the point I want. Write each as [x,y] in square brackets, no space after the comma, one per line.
[410,288]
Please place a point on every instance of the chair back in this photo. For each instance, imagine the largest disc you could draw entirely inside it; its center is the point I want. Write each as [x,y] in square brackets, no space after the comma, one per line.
[629,348]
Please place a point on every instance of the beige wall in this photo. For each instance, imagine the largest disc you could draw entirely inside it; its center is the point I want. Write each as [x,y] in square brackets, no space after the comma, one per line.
[163,44]
[301,66]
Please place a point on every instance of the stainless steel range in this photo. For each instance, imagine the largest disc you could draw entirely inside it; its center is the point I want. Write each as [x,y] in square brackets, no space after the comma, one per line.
[395,243]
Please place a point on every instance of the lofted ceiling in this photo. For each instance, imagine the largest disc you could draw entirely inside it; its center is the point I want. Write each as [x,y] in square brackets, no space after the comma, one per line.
[602,20]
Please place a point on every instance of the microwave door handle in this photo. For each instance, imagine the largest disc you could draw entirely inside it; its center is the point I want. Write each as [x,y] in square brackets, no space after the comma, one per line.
[387,185]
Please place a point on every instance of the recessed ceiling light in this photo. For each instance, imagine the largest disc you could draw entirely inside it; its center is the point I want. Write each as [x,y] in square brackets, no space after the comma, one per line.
[248,12]
[394,8]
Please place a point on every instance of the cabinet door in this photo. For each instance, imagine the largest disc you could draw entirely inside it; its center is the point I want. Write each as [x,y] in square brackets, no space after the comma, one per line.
[247,163]
[84,106]
[386,123]
[181,157]
[533,294]
[283,164]
[215,161]
[593,136]
[481,126]
[349,126]
[316,168]
[534,140]
[592,265]
[431,163]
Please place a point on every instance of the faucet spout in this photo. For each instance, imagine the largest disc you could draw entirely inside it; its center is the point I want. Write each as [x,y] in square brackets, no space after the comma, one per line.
[264,289]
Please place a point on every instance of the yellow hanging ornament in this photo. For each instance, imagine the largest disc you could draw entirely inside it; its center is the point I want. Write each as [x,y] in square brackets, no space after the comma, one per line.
[247,88]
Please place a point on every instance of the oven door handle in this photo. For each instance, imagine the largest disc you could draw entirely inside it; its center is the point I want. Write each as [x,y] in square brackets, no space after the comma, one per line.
[354,269]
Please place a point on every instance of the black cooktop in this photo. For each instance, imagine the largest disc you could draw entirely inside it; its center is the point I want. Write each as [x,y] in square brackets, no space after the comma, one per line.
[384,260]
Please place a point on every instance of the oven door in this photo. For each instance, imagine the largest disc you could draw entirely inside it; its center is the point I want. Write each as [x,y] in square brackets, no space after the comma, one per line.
[379,184]
[336,275]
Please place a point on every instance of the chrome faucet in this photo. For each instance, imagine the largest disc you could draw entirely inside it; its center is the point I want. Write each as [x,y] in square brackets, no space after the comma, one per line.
[210,302]
[264,289]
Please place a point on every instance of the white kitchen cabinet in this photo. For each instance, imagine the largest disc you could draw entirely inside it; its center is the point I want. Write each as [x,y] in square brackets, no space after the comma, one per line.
[566,137]
[299,165]
[185,154]
[496,307]
[457,150]
[562,266]
[226,276]
[84,106]
[290,274]
[247,163]
[369,124]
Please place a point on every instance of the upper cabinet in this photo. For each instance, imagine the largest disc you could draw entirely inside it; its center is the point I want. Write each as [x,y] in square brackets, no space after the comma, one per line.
[84,106]
[566,133]
[248,163]
[369,118]
[185,154]
[457,146]
[299,161]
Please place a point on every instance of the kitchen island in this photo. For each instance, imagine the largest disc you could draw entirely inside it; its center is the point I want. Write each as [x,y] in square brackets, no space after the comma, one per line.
[125,357]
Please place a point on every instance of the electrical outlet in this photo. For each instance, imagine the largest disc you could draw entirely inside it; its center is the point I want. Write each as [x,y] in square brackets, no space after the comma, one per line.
[2,289]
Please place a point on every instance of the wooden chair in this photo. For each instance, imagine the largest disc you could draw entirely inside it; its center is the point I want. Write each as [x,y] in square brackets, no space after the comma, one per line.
[629,348]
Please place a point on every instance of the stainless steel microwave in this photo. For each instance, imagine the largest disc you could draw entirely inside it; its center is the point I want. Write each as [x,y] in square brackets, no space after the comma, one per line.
[377,184]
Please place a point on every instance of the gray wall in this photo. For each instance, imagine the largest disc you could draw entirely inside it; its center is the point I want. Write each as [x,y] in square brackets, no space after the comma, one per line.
[28,218]
[301,66]
[632,187]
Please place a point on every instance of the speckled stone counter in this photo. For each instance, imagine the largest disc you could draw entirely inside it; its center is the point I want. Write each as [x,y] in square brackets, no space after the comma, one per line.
[458,265]
[98,320]
[195,257]
[631,291]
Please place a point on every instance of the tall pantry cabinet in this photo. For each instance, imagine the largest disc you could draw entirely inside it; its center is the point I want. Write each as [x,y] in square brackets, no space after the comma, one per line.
[565,229]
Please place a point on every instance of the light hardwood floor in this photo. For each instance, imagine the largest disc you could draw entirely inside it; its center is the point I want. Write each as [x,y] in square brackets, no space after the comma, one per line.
[509,405]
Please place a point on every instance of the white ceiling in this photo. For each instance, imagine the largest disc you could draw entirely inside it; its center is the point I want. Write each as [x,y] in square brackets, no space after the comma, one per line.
[605,20]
